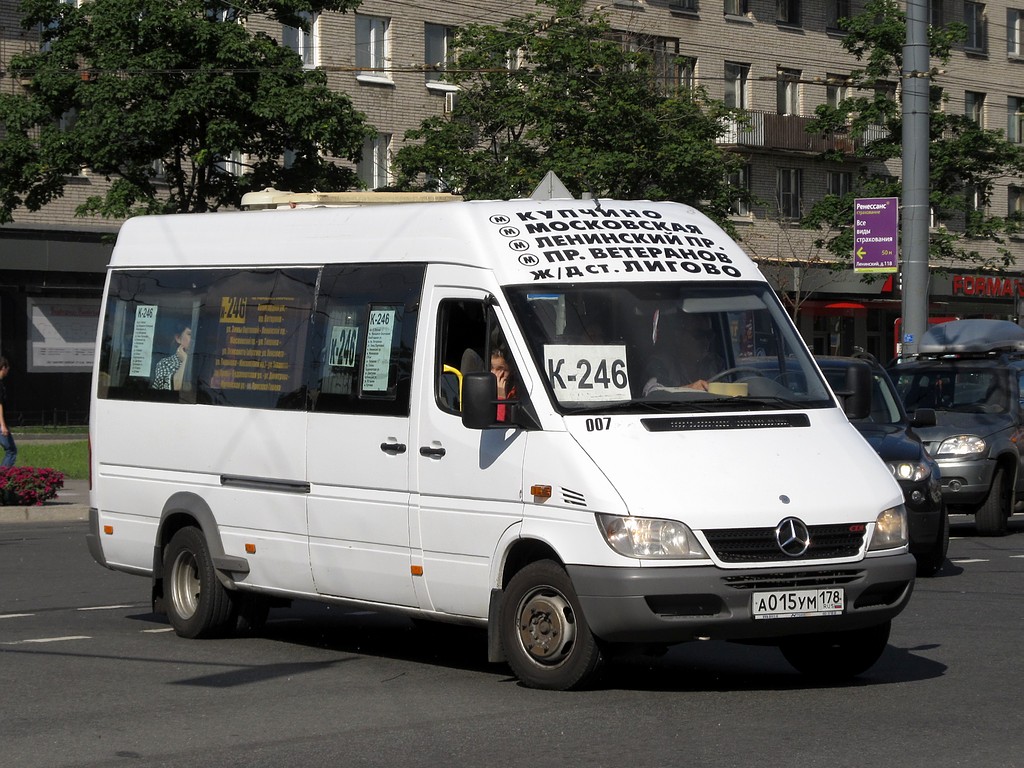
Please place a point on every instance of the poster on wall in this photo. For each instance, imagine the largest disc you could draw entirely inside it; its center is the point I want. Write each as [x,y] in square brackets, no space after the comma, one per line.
[62,335]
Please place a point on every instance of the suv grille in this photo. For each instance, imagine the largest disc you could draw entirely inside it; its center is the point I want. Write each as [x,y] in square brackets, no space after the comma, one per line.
[758,545]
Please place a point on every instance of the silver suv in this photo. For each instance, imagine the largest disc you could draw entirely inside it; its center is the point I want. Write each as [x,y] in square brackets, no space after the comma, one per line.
[970,373]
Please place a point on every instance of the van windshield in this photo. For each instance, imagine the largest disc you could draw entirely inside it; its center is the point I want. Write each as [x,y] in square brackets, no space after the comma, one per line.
[667,346]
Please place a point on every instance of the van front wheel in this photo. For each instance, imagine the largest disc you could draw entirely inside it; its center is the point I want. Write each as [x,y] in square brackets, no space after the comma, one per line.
[545,636]
[197,604]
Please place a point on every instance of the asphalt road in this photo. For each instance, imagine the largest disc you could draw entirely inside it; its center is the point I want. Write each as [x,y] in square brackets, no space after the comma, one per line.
[89,677]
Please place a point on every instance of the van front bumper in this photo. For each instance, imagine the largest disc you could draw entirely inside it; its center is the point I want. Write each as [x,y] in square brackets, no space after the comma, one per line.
[675,605]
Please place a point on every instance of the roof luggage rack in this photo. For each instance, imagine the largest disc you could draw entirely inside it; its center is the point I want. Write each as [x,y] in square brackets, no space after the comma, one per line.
[972,338]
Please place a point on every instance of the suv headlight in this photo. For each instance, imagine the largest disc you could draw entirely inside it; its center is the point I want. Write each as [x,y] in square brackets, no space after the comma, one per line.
[915,471]
[647,537]
[890,529]
[962,445]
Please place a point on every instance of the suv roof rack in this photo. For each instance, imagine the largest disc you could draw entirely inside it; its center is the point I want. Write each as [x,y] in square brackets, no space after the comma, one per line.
[974,337]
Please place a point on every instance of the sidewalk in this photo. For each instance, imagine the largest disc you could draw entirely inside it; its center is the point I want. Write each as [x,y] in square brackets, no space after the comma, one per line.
[72,503]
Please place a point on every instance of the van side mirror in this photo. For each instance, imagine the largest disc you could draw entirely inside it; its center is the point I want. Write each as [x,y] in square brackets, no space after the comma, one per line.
[856,391]
[479,400]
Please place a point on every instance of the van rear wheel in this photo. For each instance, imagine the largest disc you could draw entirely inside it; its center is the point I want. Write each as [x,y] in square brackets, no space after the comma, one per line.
[197,604]
[545,636]
[837,656]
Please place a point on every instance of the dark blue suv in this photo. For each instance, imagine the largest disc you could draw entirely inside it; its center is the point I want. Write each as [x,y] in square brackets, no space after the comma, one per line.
[889,431]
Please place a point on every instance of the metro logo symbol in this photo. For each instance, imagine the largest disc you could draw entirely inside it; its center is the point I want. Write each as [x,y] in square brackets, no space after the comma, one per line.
[233,308]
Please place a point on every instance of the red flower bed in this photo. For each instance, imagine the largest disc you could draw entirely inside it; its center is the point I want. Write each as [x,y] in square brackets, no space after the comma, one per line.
[29,486]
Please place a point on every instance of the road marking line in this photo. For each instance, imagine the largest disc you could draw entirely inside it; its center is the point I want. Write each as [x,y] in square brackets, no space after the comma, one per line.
[157,631]
[50,639]
[971,560]
[1010,556]
[15,615]
[104,607]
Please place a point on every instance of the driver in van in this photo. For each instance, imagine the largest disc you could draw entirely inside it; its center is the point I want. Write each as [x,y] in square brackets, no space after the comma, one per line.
[682,357]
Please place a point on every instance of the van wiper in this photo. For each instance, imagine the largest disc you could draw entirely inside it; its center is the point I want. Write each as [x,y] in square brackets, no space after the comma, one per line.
[766,402]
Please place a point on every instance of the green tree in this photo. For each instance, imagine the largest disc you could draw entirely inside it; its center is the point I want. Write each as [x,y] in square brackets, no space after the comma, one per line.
[966,160]
[157,95]
[559,90]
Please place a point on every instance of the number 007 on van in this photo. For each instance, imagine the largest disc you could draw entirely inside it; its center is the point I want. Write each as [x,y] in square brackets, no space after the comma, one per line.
[583,425]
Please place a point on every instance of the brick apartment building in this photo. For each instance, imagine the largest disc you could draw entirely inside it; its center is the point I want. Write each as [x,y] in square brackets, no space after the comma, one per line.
[778,59]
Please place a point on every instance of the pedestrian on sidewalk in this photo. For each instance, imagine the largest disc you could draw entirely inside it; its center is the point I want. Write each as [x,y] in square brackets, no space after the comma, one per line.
[6,438]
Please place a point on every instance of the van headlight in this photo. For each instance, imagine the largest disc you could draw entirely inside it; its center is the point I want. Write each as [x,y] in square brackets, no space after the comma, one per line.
[648,537]
[890,529]
[962,445]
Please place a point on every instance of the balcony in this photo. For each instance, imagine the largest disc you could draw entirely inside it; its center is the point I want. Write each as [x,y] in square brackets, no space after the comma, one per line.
[788,133]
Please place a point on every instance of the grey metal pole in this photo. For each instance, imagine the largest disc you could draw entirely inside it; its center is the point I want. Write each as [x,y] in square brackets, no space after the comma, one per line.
[915,214]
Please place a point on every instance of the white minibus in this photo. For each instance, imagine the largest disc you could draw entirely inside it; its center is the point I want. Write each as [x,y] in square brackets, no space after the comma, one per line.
[586,425]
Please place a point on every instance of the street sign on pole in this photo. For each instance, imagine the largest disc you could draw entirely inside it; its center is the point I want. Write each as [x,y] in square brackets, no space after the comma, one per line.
[876,226]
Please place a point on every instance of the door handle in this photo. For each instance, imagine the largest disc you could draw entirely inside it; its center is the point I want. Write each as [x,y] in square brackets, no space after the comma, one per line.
[432,452]
[393,448]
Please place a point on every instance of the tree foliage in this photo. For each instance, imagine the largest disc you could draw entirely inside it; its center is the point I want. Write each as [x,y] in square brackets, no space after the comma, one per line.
[557,90]
[966,160]
[157,95]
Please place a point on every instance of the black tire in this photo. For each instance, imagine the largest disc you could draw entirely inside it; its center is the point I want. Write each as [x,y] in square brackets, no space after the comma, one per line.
[930,563]
[991,517]
[196,602]
[836,656]
[545,636]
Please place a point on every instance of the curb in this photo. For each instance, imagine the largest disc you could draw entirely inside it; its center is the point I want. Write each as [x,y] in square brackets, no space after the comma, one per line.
[47,513]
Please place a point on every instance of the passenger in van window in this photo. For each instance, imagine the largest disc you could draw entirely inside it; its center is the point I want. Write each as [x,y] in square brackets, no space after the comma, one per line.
[682,358]
[170,372]
[502,370]
[7,443]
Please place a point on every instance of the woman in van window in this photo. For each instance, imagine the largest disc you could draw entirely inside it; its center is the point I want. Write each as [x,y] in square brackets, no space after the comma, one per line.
[502,370]
[170,372]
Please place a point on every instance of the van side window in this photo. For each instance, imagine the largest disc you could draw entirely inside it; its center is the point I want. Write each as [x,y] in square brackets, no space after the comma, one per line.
[461,346]
[225,337]
[362,344]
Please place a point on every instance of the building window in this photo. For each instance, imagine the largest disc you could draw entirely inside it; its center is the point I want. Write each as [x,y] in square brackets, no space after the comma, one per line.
[372,41]
[1015,204]
[788,92]
[737,94]
[375,167]
[739,180]
[438,48]
[787,12]
[1015,119]
[840,183]
[974,107]
[1014,32]
[663,53]
[974,18]
[837,90]
[690,6]
[789,192]
[735,7]
[304,42]
[233,164]
[936,15]
[834,11]
[687,72]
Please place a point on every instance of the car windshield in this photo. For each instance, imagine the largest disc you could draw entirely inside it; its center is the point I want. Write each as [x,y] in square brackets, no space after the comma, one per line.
[667,347]
[954,388]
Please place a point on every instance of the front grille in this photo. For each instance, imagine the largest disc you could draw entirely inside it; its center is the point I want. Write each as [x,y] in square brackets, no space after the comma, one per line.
[759,545]
[793,580]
